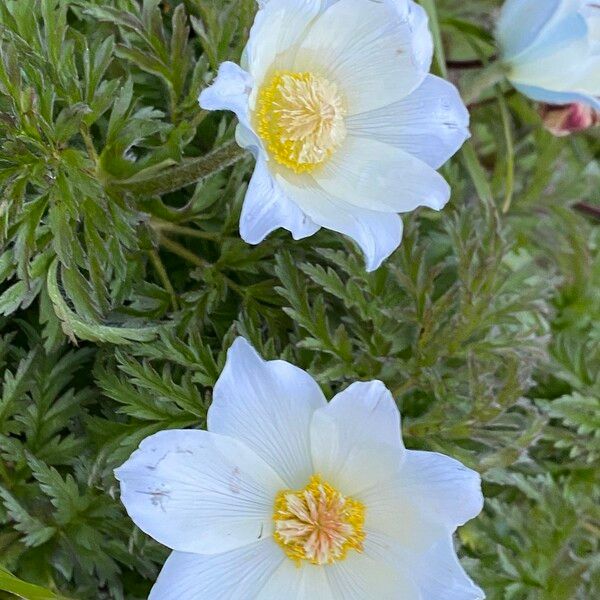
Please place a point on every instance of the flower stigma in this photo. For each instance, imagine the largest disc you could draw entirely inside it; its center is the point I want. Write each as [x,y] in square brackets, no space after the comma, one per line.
[318,524]
[300,117]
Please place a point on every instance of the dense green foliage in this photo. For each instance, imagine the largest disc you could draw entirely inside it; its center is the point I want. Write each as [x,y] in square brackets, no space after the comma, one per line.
[119,303]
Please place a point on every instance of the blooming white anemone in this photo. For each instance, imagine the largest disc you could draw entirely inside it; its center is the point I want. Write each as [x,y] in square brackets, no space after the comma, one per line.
[335,101]
[552,49]
[288,496]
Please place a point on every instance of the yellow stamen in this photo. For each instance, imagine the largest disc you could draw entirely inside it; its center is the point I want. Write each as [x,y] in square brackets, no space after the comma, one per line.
[300,117]
[318,524]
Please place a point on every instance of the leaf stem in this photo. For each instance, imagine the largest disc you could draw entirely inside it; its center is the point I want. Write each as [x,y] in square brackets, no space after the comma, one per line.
[161,225]
[189,172]
[164,277]
[177,248]
[510,152]
[89,144]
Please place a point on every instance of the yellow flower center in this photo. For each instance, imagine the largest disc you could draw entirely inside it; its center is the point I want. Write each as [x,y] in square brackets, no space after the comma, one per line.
[318,524]
[300,117]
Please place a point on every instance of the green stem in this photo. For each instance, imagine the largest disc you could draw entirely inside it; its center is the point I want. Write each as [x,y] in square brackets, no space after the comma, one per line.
[164,277]
[177,248]
[434,24]
[161,225]
[510,152]
[182,251]
[187,173]
[89,144]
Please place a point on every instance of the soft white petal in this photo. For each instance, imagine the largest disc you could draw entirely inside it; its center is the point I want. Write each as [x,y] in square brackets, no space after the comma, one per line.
[429,496]
[554,59]
[522,21]
[542,95]
[279,26]
[378,234]
[376,176]
[266,208]
[377,52]
[196,491]
[395,523]
[361,577]
[229,91]
[356,439]
[588,80]
[445,490]
[246,138]
[238,574]
[592,16]
[431,123]
[440,576]
[269,406]
[291,582]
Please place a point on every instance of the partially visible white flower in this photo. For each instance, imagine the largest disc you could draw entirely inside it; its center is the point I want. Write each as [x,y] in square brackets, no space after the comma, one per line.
[288,496]
[335,100]
[552,49]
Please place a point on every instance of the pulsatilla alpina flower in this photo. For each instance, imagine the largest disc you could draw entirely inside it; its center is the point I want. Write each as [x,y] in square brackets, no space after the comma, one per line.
[552,49]
[288,496]
[335,101]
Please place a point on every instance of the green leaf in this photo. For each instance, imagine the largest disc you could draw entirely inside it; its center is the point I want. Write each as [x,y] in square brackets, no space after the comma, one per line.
[22,589]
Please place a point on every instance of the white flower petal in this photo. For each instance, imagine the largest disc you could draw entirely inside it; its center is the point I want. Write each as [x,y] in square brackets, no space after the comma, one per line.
[376,52]
[238,574]
[550,97]
[360,577]
[196,491]
[588,80]
[429,496]
[378,234]
[266,208]
[279,25]
[291,582]
[522,21]
[269,406]
[380,177]
[229,91]
[431,123]
[246,138]
[444,489]
[554,58]
[356,439]
[440,576]
[395,523]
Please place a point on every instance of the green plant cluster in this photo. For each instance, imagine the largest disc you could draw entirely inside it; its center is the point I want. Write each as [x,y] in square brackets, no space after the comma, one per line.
[121,290]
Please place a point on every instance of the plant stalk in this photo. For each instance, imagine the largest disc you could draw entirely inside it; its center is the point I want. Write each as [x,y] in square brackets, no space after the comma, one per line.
[189,172]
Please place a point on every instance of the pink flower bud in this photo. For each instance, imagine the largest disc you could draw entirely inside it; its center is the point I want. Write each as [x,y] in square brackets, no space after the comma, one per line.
[569,118]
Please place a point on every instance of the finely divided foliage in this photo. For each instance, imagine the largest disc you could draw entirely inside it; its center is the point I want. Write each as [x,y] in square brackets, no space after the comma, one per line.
[122,290]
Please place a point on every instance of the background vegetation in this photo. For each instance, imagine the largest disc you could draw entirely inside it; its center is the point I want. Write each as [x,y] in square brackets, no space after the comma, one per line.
[119,302]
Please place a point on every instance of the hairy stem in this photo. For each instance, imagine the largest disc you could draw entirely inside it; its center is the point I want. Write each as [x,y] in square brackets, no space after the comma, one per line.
[187,173]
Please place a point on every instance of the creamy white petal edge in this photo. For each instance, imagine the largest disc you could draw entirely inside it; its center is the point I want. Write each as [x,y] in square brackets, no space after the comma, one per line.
[268,405]
[209,495]
[403,123]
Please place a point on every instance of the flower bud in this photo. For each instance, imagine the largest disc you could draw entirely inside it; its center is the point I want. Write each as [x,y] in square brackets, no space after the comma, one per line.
[570,118]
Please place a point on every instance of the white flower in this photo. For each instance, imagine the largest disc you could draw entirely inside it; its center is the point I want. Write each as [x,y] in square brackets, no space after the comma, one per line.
[552,49]
[288,496]
[335,101]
